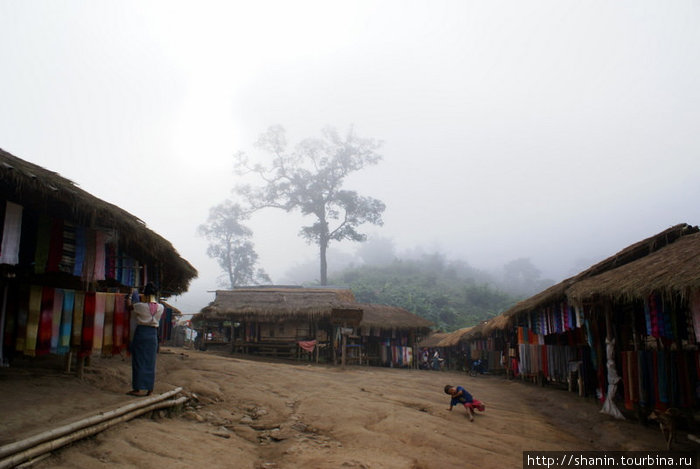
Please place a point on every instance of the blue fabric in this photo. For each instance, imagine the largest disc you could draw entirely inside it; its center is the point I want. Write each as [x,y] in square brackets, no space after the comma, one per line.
[144,347]
[463,398]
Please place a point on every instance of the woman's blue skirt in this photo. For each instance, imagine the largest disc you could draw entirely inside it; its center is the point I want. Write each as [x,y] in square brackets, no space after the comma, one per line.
[144,348]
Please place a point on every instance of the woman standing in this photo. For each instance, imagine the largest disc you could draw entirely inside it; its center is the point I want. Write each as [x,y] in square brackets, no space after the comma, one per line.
[144,343]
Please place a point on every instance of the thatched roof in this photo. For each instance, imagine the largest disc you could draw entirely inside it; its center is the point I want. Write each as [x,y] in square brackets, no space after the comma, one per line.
[639,250]
[391,317]
[433,340]
[673,269]
[44,191]
[445,339]
[273,304]
[454,338]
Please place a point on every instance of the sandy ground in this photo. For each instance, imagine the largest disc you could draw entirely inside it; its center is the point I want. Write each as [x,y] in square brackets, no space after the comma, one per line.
[260,414]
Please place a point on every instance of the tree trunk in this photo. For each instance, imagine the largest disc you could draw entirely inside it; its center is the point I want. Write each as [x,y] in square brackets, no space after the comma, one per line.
[323,245]
[324,265]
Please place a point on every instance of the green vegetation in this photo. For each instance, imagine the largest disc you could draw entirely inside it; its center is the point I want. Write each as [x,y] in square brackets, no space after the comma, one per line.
[450,295]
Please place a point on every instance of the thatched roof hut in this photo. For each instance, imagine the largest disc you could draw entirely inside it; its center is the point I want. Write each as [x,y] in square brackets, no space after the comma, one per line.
[630,254]
[454,338]
[433,340]
[391,317]
[672,270]
[271,304]
[39,189]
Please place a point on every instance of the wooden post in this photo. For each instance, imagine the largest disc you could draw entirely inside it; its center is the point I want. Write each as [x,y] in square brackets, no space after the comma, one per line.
[344,346]
[2,323]
[81,367]
[69,357]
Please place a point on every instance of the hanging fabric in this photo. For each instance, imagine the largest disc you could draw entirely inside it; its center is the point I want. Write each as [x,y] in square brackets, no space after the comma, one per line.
[88,333]
[11,234]
[43,345]
[108,334]
[66,322]
[99,324]
[56,318]
[78,307]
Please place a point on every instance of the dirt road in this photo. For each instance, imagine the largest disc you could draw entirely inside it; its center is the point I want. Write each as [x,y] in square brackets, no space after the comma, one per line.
[256,414]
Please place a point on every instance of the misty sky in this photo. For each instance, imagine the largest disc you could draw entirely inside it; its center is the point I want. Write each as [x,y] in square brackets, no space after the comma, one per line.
[554,130]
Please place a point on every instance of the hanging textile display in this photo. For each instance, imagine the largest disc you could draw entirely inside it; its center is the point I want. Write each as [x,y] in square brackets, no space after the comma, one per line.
[67,263]
[78,308]
[90,254]
[88,325]
[11,234]
[33,316]
[64,340]
[99,323]
[80,250]
[100,255]
[56,319]
[43,345]
[609,406]
[121,321]
[108,334]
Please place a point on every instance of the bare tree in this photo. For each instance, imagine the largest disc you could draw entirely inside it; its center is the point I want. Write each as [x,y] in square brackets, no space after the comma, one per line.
[310,179]
[230,245]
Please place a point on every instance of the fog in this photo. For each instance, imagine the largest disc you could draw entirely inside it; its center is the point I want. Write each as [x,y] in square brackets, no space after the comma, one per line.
[558,131]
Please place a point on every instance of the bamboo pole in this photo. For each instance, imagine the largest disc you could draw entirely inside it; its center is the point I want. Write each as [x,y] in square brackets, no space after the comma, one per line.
[52,445]
[72,427]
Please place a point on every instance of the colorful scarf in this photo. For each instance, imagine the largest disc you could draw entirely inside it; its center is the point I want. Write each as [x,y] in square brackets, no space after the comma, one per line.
[66,322]
[99,324]
[88,325]
[56,319]
[33,316]
[43,345]
[78,308]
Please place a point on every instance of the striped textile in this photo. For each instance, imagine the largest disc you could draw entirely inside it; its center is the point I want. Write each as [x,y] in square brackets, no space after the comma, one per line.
[66,321]
[88,333]
[43,344]
[56,319]
[67,263]
[33,316]
[11,234]
[99,325]
[108,336]
[78,307]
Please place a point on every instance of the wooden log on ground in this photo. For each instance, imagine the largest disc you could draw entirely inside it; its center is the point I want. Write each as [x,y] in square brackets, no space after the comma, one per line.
[18,446]
[54,444]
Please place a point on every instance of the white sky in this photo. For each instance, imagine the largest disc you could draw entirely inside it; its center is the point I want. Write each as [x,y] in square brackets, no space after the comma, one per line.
[555,130]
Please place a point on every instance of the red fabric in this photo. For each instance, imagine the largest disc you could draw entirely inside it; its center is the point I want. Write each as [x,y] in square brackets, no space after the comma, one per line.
[43,343]
[475,405]
[88,325]
[626,384]
[308,345]
[55,245]
[119,340]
